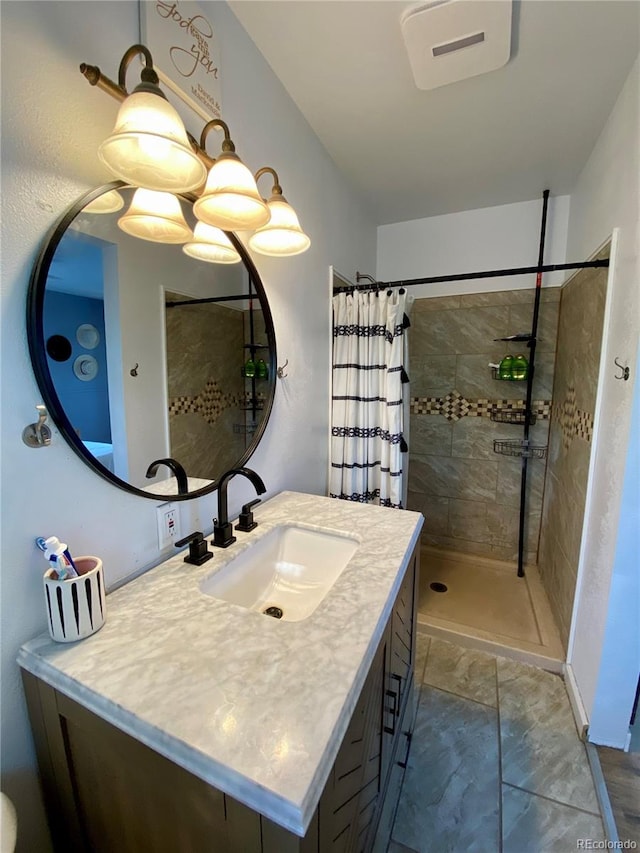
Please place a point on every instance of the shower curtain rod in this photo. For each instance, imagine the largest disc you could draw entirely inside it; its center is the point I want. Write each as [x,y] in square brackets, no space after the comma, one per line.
[235,298]
[436,279]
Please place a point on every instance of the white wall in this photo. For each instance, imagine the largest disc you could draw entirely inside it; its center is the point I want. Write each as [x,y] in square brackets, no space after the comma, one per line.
[605,648]
[52,123]
[490,238]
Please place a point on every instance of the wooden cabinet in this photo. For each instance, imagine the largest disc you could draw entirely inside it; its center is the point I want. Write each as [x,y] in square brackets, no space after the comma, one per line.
[350,799]
[106,791]
[400,663]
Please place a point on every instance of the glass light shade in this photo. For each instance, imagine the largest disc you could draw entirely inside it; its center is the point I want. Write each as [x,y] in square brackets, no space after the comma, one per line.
[231,200]
[149,147]
[212,245]
[155,216]
[282,235]
[107,203]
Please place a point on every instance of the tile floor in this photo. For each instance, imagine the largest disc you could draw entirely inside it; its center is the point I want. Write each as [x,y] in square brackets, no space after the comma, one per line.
[496,765]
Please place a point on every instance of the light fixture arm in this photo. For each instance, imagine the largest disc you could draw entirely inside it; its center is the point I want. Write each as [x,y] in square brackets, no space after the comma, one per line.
[227,144]
[276,190]
[119,90]
[147,75]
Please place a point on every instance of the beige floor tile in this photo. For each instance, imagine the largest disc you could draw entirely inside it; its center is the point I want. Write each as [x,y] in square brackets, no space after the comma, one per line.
[465,672]
[394,847]
[451,789]
[541,750]
[532,824]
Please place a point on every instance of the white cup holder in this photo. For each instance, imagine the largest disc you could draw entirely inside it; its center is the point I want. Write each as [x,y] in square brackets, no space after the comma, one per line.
[76,608]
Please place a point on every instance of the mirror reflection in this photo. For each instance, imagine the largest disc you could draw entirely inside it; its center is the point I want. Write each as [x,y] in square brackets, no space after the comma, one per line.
[148,354]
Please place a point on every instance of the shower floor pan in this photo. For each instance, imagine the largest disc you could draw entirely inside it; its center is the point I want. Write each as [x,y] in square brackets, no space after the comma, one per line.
[487,607]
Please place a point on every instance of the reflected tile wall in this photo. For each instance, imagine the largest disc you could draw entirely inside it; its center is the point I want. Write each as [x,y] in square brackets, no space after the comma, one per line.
[574,396]
[204,359]
[469,494]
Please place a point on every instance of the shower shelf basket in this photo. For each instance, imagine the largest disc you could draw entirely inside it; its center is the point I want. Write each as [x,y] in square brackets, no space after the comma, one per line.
[519,447]
[510,416]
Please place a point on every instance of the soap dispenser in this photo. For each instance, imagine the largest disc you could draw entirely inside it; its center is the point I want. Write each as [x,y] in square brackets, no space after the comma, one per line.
[519,367]
[250,368]
[506,367]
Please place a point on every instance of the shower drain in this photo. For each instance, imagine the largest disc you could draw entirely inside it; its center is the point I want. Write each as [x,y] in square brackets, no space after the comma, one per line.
[274,611]
[436,586]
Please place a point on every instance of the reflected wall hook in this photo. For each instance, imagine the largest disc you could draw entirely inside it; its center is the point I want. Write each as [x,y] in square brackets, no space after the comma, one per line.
[625,370]
[280,370]
[38,434]
[134,370]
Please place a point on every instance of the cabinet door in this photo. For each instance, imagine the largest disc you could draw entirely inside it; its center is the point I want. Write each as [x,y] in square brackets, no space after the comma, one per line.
[402,636]
[348,804]
[400,658]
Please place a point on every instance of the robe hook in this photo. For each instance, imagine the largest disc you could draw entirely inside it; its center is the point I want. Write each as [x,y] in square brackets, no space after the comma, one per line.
[280,370]
[38,434]
[623,367]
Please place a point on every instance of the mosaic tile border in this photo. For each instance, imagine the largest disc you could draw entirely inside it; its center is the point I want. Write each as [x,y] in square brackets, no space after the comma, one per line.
[573,422]
[454,407]
[211,402]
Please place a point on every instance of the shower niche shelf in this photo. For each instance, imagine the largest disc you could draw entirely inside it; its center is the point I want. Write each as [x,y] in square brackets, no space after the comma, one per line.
[519,447]
[511,416]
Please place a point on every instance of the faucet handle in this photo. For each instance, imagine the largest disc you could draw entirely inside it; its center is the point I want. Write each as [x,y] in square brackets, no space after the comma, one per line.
[245,519]
[198,551]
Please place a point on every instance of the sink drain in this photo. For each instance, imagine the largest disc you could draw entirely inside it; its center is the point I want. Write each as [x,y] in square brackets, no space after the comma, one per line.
[436,586]
[274,611]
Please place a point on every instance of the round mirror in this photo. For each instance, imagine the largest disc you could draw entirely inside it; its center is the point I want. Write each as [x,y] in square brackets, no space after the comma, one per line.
[173,359]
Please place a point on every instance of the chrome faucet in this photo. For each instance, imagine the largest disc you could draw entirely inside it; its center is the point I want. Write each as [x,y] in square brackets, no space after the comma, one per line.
[222,528]
[178,470]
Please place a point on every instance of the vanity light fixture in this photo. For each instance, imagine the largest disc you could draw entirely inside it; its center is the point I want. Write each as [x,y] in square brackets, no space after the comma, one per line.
[149,146]
[109,202]
[212,245]
[282,236]
[151,149]
[230,199]
[155,216]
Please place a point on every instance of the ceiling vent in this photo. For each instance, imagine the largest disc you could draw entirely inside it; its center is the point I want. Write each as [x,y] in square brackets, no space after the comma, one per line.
[449,40]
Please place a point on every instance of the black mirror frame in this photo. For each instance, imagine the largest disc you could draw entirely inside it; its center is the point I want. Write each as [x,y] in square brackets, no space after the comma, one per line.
[37,348]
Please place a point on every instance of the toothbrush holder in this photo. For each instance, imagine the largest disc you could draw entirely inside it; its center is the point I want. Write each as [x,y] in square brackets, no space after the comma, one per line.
[76,608]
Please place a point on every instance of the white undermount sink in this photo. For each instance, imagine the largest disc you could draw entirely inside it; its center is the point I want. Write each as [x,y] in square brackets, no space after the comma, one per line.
[290,570]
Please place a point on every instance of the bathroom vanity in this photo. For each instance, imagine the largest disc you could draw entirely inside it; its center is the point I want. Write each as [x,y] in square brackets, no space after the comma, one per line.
[190,723]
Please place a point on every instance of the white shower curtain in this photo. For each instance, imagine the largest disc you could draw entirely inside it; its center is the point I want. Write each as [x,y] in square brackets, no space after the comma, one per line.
[367,424]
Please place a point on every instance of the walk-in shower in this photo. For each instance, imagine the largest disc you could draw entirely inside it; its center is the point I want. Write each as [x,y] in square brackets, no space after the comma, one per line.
[498,464]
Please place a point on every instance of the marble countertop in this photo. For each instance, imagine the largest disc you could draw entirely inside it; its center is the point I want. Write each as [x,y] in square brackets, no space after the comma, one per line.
[255,706]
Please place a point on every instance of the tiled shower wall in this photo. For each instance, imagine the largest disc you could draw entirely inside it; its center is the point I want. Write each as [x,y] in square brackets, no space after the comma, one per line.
[576,380]
[206,390]
[468,494]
